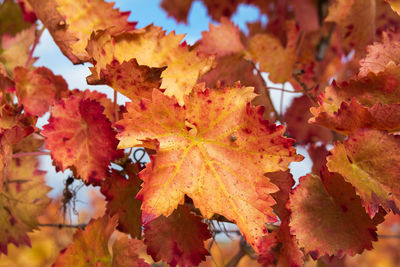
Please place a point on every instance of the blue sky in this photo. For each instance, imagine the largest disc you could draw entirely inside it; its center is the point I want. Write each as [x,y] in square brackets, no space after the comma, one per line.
[145,13]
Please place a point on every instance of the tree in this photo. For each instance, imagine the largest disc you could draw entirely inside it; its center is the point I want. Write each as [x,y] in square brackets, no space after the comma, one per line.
[219,149]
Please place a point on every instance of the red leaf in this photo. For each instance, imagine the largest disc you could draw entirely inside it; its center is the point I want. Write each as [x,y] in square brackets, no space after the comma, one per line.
[177,239]
[120,196]
[38,89]
[79,135]
[327,217]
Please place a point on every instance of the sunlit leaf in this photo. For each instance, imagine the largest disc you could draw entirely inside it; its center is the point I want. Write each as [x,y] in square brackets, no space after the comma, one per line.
[218,157]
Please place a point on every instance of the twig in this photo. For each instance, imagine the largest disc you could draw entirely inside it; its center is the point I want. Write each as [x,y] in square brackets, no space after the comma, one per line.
[36,153]
[282,89]
[323,44]
[239,255]
[138,159]
[225,231]
[296,76]
[266,87]
[220,218]
[62,225]
[36,41]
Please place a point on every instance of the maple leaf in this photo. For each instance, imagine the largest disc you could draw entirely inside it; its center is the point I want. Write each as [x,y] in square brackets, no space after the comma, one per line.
[274,57]
[177,239]
[130,79]
[71,23]
[219,9]
[125,253]
[296,118]
[79,135]
[38,89]
[90,247]
[327,217]
[6,83]
[395,4]
[203,154]
[381,54]
[370,101]
[22,199]
[356,20]
[281,246]
[14,125]
[27,11]
[28,144]
[221,40]
[11,18]
[177,9]
[109,107]
[10,140]
[318,154]
[150,46]
[14,51]
[375,178]
[306,13]
[233,68]
[285,182]
[119,193]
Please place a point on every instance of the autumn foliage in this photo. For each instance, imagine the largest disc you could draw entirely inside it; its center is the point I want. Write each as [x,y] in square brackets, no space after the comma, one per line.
[220,149]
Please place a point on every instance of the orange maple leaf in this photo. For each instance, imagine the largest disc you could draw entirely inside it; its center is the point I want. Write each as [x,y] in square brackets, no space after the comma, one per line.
[221,40]
[371,101]
[215,149]
[72,22]
[150,46]
[273,56]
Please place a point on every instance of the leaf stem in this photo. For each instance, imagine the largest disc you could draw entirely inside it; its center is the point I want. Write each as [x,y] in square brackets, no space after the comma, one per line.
[36,41]
[282,89]
[35,153]
[277,117]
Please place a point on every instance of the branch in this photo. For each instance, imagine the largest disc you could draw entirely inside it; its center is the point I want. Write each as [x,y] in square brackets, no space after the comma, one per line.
[324,43]
[296,76]
[277,117]
[62,225]
[282,89]
[220,218]
[239,255]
